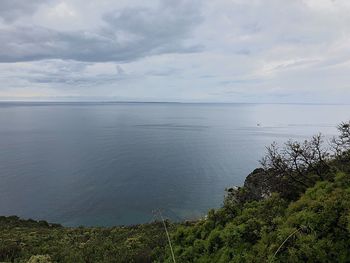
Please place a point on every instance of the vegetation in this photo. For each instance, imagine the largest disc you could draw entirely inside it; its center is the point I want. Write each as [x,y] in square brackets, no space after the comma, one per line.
[31,241]
[319,222]
[296,208]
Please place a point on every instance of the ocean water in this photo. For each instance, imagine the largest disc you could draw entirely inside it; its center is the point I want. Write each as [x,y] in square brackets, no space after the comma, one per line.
[115,163]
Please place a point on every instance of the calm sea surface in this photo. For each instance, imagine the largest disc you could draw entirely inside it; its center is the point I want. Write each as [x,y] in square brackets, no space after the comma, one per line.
[113,163]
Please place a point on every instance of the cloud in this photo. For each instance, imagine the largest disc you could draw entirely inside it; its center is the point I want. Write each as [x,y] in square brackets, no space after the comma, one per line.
[65,74]
[185,50]
[10,10]
[128,34]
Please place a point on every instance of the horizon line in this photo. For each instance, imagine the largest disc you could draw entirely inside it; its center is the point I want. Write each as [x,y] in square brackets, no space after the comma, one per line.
[167,102]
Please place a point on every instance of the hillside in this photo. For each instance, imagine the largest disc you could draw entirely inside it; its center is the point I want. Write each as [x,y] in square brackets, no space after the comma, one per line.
[21,239]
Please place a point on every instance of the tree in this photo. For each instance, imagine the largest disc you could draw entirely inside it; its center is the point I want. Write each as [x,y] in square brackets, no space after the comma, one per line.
[341,144]
[298,161]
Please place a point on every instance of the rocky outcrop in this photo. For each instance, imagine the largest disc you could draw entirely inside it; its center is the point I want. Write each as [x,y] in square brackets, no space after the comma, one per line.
[259,185]
[256,185]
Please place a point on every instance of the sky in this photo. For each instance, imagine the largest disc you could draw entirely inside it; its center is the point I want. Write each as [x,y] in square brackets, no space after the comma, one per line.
[291,51]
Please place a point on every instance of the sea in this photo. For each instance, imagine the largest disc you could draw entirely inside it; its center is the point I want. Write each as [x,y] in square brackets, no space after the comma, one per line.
[115,163]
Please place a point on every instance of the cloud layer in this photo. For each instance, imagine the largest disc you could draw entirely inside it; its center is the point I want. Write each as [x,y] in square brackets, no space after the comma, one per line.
[220,51]
[127,35]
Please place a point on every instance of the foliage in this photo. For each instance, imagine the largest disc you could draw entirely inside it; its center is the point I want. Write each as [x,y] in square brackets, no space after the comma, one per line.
[341,144]
[21,239]
[40,259]
[320,220]
[298,164]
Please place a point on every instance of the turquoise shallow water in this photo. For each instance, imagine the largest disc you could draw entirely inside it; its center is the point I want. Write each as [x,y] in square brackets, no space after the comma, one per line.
[114,163]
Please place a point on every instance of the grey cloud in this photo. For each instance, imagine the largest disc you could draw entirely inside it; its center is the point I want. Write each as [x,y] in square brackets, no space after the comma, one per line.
[76,80]
[239,81]
[120,70]
[66,74]
[164,72]
[63,75]
[243,51]
[10,10]
[255,50]
[128,34]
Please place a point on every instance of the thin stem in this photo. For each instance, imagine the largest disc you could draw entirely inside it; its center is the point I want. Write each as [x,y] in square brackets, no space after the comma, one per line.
[274,255]
[168,236]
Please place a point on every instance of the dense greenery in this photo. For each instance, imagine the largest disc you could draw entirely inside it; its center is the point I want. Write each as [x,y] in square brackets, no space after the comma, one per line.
[296,208]
[21,239]
[319,223]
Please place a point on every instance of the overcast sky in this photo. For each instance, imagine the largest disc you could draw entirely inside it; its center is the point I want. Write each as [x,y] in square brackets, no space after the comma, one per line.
[200,51]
